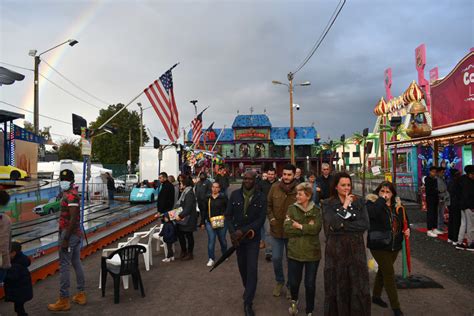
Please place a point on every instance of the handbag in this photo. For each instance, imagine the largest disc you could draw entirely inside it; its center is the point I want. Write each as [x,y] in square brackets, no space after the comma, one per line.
[216,221]
[379,239]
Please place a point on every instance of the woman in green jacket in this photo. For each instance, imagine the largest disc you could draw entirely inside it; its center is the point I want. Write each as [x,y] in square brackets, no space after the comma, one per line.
[302,225]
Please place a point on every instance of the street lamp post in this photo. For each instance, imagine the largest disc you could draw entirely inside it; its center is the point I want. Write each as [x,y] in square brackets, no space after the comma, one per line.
[141,123]
[292,132]
[34,54]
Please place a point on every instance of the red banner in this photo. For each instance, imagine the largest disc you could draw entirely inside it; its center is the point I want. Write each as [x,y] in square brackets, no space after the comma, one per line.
[453,97]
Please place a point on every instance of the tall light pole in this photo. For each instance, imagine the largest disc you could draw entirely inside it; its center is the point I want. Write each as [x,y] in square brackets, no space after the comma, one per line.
[141,123]
[292,132]
[34,54]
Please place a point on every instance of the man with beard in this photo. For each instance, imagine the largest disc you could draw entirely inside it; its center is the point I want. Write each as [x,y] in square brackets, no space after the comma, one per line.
[281,195]
[246,211]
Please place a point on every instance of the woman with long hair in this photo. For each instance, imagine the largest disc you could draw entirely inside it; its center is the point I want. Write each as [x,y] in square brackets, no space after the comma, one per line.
[385,237]
[346,276]
[187,220]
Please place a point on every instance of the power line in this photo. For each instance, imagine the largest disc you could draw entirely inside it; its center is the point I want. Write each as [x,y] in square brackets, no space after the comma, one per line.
[75,85]
[45,116]
[323,35]
[58,86]
[70,93]
[4,63]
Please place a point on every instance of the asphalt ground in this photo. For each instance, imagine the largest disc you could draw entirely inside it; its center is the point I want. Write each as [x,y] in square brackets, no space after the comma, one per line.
[187,288]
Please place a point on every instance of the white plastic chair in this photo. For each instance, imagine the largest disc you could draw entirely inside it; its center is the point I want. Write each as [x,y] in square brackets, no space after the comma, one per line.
[148,256]
[115,260]
[156,236]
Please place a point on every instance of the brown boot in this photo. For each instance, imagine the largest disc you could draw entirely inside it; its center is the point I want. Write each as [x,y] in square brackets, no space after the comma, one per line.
[188,257]
[183,255]
[80,298]
[62,304]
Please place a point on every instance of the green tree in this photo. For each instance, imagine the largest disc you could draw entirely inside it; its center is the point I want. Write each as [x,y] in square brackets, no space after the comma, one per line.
[69,149]
[45,132]
[114,149]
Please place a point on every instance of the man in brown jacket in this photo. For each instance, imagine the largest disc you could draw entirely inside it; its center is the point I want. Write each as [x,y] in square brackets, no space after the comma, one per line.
[281,195]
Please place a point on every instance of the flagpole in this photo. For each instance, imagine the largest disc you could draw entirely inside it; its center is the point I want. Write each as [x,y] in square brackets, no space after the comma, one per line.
[218,137]
[118,112]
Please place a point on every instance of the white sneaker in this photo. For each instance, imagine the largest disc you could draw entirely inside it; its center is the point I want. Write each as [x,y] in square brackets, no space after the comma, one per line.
[166,260]
[439,232]
[431,233]
[450,241]
[210,263]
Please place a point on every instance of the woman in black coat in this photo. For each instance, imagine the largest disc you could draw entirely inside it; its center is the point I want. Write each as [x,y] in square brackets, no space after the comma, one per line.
[346,276]
[384,240]
[187,220]
[18,287]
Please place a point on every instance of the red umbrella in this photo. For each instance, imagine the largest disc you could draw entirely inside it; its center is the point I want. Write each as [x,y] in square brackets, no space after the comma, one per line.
[406,245]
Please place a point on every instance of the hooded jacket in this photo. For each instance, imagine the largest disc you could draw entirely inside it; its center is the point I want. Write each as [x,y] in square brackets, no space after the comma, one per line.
[18,287]
[303,244]
[384,218]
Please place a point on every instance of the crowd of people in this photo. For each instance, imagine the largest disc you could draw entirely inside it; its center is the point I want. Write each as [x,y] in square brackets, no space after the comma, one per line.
[458,197]
[282,215]
[285,217]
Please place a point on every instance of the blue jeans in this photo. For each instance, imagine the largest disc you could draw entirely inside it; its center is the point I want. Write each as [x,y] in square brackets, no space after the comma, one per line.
[211,240]
[111,196]
[295,275]
[266,237]
[278,245]
[68,257]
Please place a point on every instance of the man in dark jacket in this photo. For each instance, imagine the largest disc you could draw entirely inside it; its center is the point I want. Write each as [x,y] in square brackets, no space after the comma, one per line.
[245,212]
[467,208]
[18,287]
[432,200]
[265,187]
[323,183]
[223,179]
[202,191]
[110,187]
[166,196]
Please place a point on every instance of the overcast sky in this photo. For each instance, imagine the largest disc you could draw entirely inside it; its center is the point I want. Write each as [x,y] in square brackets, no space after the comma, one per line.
[229,52]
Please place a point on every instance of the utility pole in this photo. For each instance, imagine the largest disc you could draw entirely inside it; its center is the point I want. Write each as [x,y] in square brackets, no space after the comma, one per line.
[36,99]
[141,124]
[292,133]
[130,144]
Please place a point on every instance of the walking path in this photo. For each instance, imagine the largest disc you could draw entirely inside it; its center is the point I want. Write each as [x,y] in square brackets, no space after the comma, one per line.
[187,288]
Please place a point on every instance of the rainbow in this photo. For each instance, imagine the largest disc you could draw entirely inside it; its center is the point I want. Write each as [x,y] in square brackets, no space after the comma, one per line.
[55,56]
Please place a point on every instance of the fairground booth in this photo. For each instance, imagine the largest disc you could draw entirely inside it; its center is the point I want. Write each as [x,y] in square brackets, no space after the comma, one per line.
[253,143]
[437,125]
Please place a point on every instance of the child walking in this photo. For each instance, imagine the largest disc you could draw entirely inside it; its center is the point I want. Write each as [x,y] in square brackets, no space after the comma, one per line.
[168,232]
[18,288]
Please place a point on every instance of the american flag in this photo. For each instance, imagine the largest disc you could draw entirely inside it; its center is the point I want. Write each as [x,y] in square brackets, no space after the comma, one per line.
[161,96]
[196,125]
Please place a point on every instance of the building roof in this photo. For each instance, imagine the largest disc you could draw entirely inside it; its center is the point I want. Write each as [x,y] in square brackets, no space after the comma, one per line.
[308,132]
[227,135]
[7,116]
[252,120]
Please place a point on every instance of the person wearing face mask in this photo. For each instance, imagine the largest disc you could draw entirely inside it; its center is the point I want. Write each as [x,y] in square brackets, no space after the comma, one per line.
[346,276]
[384,240]
[69,242]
